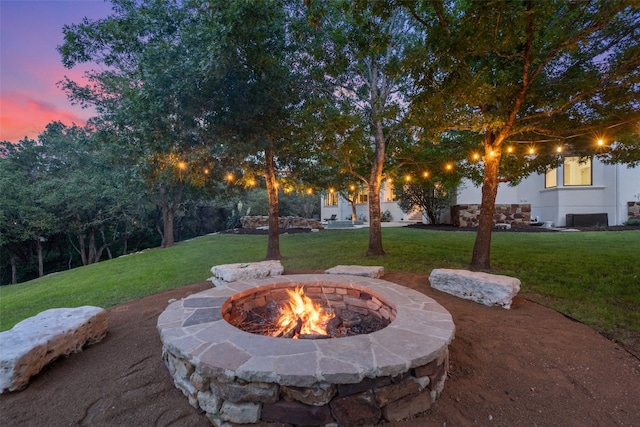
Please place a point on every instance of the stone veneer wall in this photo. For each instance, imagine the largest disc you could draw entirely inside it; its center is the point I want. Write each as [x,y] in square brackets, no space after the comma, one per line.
[633,210]
[285,222]
[373,400]
[517,214]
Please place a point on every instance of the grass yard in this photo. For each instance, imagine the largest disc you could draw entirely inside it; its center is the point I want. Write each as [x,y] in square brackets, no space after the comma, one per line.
[593,277]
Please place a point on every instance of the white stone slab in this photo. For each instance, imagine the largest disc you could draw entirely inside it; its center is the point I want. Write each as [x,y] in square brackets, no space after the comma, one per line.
[35,342]
[483,288]
[226,273]
[357,270]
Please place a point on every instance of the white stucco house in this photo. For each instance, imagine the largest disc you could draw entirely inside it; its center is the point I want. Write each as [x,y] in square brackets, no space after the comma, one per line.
[576,193]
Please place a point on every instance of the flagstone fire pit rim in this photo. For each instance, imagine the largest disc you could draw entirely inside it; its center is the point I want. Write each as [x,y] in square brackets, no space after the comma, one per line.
[420,333]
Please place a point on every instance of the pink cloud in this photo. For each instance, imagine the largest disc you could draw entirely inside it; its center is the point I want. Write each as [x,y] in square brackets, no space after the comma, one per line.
[22,115]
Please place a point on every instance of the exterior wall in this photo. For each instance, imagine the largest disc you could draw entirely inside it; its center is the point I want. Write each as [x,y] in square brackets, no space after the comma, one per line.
[343,209]
[613,187]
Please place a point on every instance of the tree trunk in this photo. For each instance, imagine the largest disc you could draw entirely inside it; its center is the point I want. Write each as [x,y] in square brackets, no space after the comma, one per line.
[40,260]
[168,213]
[14,269]
[92,246]
[375,181]
[105,245]
[81,249]
[273,245]
[354,213]
[481,257]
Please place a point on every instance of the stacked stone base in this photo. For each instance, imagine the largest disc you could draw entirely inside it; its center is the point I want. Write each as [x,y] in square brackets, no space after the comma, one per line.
[261,404]
[284,222]
[516,215]
[633,211]
[242,379]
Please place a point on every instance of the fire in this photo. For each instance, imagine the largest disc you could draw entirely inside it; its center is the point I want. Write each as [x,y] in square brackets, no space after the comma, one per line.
[302,310]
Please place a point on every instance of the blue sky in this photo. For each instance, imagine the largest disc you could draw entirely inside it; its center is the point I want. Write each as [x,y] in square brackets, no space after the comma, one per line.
[30,65]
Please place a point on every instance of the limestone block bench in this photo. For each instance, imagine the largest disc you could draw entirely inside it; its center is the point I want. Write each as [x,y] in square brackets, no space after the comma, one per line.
[484,288]
[227,273]
[357,270]
[37,341]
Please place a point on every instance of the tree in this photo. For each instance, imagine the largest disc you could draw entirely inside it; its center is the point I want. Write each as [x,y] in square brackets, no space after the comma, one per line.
[25,220]
[254,87]
[147,95]
[65,185]
[85,189]
[359,101]
[211,78]
[535,75]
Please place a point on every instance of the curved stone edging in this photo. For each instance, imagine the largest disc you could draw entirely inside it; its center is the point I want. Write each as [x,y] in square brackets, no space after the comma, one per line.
[208,356]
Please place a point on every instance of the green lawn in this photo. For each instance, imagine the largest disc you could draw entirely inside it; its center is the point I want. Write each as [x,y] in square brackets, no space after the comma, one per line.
[591,276]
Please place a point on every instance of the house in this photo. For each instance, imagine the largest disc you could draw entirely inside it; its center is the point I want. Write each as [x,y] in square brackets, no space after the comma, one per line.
[574,194]
[333,203]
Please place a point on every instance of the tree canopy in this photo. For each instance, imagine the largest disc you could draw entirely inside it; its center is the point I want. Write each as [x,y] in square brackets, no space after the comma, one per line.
[534,75]
[318,92]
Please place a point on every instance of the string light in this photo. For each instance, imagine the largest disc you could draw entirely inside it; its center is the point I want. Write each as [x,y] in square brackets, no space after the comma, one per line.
[600,142]
[182,165]
[559,149]
[331,190]
[407,178]
[425,174]
[509,149]
[309,191]
[532,150]
[449,166]
[476,156]
[229,177]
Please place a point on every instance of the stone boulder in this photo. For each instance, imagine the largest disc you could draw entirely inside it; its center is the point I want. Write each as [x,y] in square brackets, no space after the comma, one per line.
[227,273]
[357,270]
[484,288]
[37,341]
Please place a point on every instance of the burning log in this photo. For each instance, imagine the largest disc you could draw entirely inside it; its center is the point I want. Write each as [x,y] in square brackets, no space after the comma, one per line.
[291,332]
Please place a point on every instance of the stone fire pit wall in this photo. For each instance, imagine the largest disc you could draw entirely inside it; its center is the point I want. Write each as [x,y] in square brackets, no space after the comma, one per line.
[238,378]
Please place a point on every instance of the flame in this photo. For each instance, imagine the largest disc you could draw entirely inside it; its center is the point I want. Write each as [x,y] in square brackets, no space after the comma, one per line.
[312,316]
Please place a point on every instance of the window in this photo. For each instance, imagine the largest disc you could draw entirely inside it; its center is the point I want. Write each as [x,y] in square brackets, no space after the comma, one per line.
[331,199]
[389,192]
[551,178]
[577,171]
[362,197]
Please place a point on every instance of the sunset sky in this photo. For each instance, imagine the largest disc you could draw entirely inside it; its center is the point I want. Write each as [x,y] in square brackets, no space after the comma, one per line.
[30,65]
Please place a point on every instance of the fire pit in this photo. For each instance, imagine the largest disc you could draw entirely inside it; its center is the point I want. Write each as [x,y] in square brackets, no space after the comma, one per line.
[239,377]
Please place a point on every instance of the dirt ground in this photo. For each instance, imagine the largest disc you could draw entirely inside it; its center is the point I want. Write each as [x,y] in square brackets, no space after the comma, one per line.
[528,366]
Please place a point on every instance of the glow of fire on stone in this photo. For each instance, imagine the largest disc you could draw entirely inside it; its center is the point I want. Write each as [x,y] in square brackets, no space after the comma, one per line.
[311,314]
